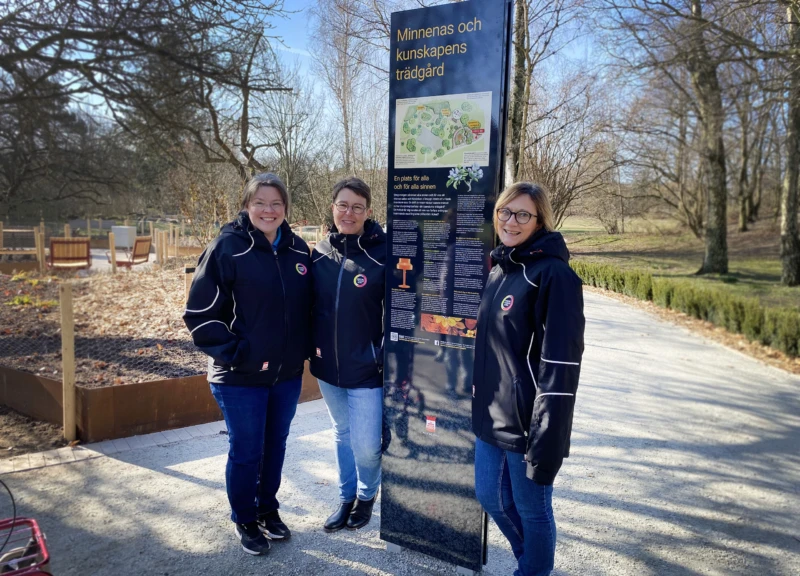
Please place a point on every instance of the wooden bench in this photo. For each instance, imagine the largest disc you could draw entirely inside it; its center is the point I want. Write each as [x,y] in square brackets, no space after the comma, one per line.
[69,253]
[139,255]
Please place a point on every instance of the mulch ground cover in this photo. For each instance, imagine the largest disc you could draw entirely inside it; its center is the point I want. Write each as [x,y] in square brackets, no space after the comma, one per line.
[128,327]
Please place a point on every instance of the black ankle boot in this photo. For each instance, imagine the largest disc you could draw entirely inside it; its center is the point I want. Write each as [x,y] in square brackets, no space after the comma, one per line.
[338,519]
[361,514]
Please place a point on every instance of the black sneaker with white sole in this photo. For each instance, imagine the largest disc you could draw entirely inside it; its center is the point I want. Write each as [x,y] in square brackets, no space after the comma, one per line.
[273,527]
[253,541]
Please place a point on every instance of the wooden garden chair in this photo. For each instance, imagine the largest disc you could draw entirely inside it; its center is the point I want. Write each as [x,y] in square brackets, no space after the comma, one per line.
[139,255]
[69,254]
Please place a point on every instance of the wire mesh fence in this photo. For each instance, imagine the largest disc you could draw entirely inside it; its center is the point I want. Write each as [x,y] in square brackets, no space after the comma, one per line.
[128,327]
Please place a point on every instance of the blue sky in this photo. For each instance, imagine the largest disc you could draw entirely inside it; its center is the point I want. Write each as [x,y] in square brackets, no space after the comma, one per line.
[294,30]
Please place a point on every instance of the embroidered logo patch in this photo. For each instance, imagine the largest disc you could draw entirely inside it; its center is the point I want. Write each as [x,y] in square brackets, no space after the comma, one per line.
[360,281]
[507,303]
[319,353]
[265,366]
[301,269]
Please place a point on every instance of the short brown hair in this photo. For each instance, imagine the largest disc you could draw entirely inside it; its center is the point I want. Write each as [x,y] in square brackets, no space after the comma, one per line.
[265,179]
[537,193]
[357,185]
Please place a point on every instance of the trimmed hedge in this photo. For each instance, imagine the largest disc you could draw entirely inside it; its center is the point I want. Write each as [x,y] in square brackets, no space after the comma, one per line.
[775,327]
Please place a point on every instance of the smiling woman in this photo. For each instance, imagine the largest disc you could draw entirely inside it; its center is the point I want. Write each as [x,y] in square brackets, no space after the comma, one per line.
[249,310]
[527,361]
[349,279]
[266,200]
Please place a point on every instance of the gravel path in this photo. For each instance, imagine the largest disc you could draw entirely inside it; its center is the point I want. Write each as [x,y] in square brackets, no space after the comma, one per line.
[685,461]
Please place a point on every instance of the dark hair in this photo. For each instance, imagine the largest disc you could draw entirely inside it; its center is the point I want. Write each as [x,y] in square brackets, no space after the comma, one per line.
[357,185]
[265,179]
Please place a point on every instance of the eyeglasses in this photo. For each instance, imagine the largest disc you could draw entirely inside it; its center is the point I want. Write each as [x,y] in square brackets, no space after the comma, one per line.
[522,217]
[357,209]
[276,206]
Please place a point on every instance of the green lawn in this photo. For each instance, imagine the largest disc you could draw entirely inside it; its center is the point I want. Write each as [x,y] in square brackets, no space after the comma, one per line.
[754,267]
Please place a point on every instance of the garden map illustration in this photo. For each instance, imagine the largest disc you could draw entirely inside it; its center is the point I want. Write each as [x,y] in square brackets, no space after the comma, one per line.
[443,131]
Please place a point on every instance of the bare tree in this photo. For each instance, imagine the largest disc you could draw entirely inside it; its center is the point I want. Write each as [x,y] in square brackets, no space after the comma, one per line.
[566,147]
[339,62]
[790,239]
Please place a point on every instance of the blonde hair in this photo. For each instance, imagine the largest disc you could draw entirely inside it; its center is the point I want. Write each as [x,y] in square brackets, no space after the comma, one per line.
[265,179]
[537,193]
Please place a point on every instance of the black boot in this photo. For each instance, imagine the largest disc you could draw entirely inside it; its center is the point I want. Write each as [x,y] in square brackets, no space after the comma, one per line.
[338,519]
[361,514]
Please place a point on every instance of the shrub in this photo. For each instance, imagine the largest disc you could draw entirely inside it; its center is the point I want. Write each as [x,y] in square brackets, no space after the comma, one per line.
[775,327]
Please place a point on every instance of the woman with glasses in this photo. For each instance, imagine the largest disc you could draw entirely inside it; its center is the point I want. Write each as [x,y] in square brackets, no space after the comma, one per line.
[527,362]
[347,353]
[249,310]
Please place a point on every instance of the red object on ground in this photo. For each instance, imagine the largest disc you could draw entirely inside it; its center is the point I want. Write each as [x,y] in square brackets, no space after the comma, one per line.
[26,553]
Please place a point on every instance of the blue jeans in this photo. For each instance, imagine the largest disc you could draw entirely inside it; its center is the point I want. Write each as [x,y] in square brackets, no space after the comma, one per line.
[258,420]
[522,509]
[357,418]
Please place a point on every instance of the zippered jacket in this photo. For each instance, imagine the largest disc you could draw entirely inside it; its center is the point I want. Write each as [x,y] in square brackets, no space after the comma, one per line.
[348,274]
[528,352]
[249,305]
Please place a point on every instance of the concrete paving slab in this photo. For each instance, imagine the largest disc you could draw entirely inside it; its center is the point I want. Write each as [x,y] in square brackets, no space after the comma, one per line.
[121,444]
[51,457]
[171,436]
[66,454]
[684,461]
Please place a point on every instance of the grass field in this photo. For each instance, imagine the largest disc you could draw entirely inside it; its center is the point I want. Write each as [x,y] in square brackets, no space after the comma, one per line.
[665,249]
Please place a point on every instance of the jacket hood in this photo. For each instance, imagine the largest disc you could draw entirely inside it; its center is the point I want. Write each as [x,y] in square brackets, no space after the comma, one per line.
[373,236]
[542,244]
[244,229]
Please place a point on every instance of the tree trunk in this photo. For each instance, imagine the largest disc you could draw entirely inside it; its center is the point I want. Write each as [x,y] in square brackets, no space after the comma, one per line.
[709,97]
[790,242]
[518,102]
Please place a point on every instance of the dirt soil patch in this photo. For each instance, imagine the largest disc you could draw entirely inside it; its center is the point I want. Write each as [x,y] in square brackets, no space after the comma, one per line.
[22,435]
[128,327]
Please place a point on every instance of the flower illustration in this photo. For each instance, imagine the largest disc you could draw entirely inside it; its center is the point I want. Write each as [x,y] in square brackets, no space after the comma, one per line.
[467,175]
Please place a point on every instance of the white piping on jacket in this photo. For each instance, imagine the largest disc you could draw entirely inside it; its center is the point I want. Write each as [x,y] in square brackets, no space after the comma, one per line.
[296,250]
[524,270]
[234,313]
[559,362]
[252,243]
[530,346]
[206,309]
[209,322]
[323,255]
[555,394]
[358,241]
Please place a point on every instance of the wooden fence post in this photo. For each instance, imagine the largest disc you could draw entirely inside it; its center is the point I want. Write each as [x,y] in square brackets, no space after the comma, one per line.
[42,253]
[112,246]
[88,228]
[38,248]
[68,360]
[67,231]
[188,276]
[41,226]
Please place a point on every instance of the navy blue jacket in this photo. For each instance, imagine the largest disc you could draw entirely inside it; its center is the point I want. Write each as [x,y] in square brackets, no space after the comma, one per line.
[348,308]
[528,352]
[249,305]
